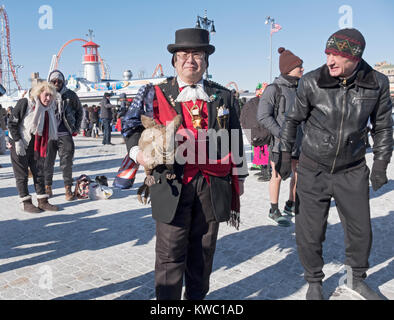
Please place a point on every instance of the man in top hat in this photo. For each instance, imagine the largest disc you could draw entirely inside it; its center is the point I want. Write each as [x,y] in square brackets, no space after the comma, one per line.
[336,101]
[188,210]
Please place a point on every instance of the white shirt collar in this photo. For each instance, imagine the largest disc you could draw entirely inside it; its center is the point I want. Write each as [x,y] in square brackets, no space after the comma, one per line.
[182,84]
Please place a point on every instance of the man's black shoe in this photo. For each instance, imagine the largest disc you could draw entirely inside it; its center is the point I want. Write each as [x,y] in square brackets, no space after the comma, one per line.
[364,290]
[315,291]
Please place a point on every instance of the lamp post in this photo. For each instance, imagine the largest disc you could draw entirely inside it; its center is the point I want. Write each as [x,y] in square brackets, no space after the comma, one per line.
[205,23]
[271,21]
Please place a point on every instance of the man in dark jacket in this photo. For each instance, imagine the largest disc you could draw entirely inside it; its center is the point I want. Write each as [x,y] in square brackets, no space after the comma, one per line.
[94,120]
[69,116]
[336,101]
[106,117]
[3,127]
[189,209]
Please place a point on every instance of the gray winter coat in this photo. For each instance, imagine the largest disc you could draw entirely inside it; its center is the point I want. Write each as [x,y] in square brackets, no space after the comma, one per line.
[85,119]
[266,117]
[106,109]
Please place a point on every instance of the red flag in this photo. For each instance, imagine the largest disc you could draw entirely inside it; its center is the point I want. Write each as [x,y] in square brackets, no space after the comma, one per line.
[275,28]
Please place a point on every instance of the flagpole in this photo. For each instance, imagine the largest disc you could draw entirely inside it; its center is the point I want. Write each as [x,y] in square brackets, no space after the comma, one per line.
[272,22]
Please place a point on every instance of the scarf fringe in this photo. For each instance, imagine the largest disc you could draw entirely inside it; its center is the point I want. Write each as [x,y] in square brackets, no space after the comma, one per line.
[235,219]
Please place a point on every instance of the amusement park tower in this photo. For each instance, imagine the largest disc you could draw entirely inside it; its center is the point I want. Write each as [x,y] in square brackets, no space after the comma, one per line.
[91,61]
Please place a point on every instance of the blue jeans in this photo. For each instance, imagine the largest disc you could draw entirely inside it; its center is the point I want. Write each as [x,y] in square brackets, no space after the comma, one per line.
[107,131]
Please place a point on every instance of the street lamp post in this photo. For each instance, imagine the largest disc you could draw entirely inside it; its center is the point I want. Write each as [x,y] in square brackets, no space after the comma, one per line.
[271,21]
[205,23]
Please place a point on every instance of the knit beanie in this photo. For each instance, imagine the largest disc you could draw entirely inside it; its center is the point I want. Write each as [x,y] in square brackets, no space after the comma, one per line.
[56,74]
[288,61]
[348,43]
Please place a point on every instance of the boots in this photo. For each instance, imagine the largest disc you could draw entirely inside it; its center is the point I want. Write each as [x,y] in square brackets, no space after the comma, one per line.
[28,206]
[265,174]
[43,203]
[359,286]
[48,191]
[69,194]
[315,291]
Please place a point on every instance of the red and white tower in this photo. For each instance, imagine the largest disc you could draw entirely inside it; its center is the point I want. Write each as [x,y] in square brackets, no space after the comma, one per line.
[91,62]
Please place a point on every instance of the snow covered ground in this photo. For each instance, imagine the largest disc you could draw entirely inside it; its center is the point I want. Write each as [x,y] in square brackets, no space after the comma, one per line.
[105,249]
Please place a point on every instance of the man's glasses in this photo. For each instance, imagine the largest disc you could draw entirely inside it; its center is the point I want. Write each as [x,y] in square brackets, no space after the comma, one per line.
[196,55]
[57,81]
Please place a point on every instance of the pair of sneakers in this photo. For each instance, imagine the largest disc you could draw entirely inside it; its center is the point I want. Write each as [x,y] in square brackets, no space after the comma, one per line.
[277,216]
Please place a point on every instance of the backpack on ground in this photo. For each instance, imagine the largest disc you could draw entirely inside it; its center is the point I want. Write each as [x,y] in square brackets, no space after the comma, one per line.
[82,187]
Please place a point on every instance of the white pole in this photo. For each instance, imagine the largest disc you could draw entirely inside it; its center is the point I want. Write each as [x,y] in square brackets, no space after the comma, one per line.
[271,52]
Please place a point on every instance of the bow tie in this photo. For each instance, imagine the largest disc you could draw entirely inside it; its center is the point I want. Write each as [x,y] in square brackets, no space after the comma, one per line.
[192,93]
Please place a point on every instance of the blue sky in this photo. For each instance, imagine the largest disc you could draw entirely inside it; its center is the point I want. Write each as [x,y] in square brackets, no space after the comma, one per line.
[134,34]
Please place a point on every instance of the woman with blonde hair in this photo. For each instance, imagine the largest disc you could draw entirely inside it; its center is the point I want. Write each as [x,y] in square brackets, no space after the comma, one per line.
[32,124]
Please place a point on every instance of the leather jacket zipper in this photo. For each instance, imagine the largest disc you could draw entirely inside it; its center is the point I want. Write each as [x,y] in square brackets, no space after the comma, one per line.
[358,99]
[64,115]
[340,130]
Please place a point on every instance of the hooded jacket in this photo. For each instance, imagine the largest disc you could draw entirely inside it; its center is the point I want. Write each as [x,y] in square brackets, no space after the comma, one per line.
[265,112]
[336,115]
[71,109]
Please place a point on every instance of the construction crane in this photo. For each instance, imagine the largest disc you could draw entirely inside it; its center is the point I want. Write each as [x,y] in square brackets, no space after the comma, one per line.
[6,64]
[232,84]
[159,67]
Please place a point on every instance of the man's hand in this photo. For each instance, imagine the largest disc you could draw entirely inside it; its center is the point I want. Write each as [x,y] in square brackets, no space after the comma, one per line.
[378,175]
[140,159]
[283,167]
[241,187]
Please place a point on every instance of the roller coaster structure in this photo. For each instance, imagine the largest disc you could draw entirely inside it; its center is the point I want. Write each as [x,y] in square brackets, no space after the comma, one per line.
[6,64]
[232,84]
[59,54]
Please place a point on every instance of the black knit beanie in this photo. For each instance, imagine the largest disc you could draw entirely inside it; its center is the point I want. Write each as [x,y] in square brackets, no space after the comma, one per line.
[348,43]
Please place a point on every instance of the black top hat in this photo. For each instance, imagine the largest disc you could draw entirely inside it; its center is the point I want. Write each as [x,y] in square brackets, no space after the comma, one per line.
[191,38]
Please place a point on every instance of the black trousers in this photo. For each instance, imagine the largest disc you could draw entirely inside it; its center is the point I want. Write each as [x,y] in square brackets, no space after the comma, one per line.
[107,131]
[21,165]
[350,189]
[186,246]
[66,148]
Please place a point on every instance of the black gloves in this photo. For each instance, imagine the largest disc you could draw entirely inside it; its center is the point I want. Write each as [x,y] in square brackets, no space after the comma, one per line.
[283,167]
[378,175]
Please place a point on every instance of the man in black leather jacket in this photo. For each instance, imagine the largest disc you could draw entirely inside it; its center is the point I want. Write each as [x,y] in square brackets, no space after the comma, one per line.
[336,101]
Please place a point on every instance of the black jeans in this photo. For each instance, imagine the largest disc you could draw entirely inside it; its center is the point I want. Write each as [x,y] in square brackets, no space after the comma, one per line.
[21,164]
[350,189]
[186,246]
[107,131]
[66,148]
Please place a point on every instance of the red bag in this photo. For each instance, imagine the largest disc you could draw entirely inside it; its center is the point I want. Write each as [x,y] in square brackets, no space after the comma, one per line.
[118,126]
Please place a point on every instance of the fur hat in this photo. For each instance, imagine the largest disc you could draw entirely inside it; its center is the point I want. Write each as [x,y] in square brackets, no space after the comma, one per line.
[288,61]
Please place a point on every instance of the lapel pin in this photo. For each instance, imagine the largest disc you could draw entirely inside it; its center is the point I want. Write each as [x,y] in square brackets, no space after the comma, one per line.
[172,101]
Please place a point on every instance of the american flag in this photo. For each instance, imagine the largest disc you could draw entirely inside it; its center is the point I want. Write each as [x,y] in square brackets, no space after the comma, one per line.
[275,28]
